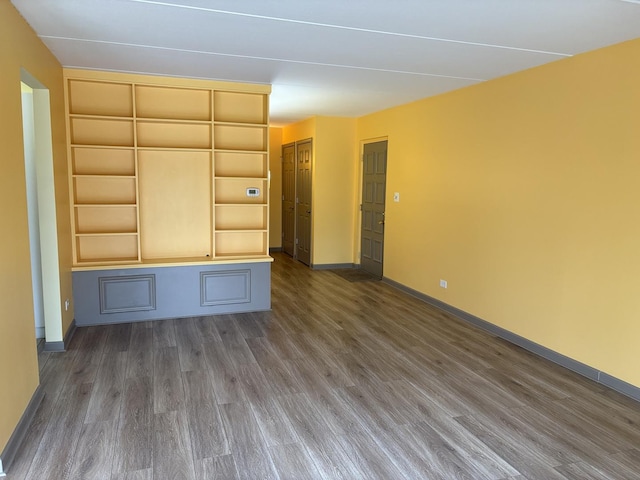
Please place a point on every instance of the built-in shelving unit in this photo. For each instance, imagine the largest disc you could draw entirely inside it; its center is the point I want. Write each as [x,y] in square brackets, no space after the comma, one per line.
[167,172]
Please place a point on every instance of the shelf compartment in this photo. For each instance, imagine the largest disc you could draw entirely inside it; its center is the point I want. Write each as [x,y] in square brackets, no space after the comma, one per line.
[100,98]
[107,248]
[239,137]
[240,107]
[101,131]
[104,190]
[235,164]
[241,217]
[174,135]
[173,103]
[103,161]
[106,219]
[240,243]
[234,191]
[175,199]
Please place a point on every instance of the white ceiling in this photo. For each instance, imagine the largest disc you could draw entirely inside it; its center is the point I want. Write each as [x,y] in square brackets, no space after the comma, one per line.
[329,57]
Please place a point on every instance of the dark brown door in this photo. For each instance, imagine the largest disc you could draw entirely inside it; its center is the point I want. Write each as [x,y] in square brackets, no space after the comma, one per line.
[288,198]
[374,178]
[303,202]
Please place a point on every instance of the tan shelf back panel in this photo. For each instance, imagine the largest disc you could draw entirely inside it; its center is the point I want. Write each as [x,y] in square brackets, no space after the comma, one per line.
[175,204]
[100,131]
[234,190]
[103,161]
[173,103]
[237,164]
[111,219]
[234,137]
[240,243]
[99,98]
[105,248]
[173,135]
[104,191]
[240,107]
[242,217]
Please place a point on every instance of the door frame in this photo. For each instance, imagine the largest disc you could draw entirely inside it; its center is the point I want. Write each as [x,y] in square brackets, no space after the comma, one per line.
[357,234]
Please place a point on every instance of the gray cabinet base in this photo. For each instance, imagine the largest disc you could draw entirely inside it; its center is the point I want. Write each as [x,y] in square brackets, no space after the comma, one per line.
[137,294]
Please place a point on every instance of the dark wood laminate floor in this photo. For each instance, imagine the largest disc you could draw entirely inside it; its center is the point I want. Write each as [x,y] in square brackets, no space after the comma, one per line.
[342,380]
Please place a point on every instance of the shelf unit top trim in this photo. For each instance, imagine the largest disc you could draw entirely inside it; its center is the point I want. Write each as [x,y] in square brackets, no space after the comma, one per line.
[164,81]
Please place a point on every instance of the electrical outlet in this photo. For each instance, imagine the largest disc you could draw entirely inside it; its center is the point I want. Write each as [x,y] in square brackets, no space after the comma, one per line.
[396,197]
[443,283]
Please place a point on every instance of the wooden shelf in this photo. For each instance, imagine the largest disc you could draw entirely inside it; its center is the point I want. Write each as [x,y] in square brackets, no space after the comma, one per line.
[100,219]
[100,98]
[101,131]
[107,190]
[173,103]
[240,243]
[241,217]
[240,138]
[173,134]
[239,107]
[240,164]
[103,161]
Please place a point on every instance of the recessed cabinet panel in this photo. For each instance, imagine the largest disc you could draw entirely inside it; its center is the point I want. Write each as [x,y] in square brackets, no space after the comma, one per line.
[100,98]
[241,217]
[100,131]
[240,243]
[103,161]
[101,248]
[104,190]
[240,107]
[174,135]
[103,219]
[236,164]
[234,190]
[172,103]
[233,137]
[175,204]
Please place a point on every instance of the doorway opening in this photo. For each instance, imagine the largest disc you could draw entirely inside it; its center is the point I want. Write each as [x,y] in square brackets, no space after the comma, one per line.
[41,208]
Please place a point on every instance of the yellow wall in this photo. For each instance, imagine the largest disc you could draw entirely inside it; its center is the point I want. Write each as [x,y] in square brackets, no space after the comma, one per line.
[20,47]
[333,176]
[523,194]
[275,192]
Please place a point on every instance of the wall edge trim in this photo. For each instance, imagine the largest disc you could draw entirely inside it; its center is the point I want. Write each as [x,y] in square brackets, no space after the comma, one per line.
[62,346]
[331,266]
[580,368]
[17,437]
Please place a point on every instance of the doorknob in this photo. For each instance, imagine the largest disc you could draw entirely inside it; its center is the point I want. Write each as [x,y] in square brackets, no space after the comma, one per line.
[308,211]
[381,222]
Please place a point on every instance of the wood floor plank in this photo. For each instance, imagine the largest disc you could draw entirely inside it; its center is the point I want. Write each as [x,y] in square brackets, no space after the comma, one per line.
[164,334]
[208,438]
[233,340]
[292,461]
[140,358]
[171,447]
[92,459]
[106,394]
[369,457]
[168,391]
[190,348]
[274,425]
[206,328]
[146,474]
[53,457]
[217,468]
[246,442]
[134,438]
[224,373]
